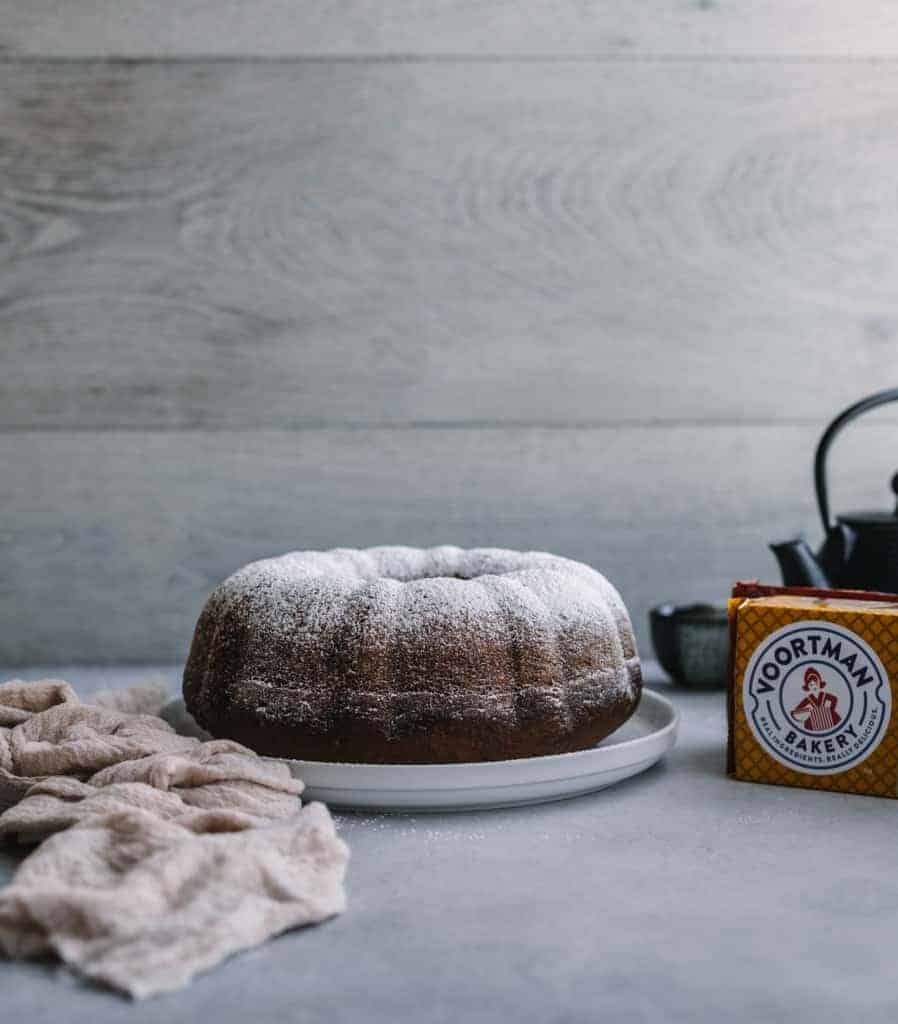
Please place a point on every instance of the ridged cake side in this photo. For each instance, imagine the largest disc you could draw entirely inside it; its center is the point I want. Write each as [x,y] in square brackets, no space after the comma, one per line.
[413,655]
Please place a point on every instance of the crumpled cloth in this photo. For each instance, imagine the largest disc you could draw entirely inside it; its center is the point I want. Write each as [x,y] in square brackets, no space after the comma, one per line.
[160,854]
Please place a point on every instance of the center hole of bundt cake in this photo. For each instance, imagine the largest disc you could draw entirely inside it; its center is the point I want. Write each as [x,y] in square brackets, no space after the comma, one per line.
[444,576]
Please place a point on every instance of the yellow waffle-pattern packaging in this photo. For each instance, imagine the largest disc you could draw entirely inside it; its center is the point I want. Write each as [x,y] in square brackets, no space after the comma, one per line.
[812,689]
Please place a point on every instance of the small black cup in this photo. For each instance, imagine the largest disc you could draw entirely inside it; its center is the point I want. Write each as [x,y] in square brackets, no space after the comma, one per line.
[692,642]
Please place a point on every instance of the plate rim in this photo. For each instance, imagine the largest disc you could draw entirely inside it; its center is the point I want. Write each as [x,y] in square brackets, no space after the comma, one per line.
[423,776]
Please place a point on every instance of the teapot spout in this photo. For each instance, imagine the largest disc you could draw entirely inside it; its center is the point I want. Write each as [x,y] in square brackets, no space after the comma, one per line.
[799,565]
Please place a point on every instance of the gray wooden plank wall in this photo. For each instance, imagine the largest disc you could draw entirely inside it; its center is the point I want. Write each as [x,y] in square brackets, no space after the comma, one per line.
[598,304]
[697,28]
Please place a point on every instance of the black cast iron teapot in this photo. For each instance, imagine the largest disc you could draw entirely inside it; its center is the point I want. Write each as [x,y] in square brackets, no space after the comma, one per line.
[860,549]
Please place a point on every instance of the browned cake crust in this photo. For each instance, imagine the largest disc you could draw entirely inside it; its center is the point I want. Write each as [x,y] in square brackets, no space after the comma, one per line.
[401,655]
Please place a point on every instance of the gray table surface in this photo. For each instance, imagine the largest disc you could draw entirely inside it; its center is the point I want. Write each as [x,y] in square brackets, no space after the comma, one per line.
[679,895]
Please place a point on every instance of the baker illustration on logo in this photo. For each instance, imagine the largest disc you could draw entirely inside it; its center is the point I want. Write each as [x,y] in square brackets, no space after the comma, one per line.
[817,712]
[817,697]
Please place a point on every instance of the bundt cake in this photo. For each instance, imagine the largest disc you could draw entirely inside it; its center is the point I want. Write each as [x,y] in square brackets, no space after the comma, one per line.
[403,655]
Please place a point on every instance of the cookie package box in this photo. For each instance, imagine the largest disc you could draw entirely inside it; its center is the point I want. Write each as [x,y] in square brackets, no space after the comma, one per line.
[812,687]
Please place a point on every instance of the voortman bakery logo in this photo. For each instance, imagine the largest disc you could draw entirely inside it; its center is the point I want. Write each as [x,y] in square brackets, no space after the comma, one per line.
[817,697]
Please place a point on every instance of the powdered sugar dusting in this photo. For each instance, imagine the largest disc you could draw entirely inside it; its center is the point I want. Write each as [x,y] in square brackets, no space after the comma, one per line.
[402,637]
[438,578]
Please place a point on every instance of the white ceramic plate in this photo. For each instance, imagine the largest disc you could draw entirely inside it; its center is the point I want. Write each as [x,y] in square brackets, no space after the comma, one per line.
[637,745]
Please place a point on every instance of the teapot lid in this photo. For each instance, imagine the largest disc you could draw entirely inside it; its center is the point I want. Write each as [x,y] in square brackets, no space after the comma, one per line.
[876,520]
[869,520]
[873,519]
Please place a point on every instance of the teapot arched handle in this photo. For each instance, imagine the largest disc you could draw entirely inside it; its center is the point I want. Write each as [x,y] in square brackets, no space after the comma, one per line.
[829,435]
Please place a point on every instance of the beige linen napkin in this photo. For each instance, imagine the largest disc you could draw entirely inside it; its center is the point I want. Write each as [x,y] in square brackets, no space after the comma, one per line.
[161,854]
